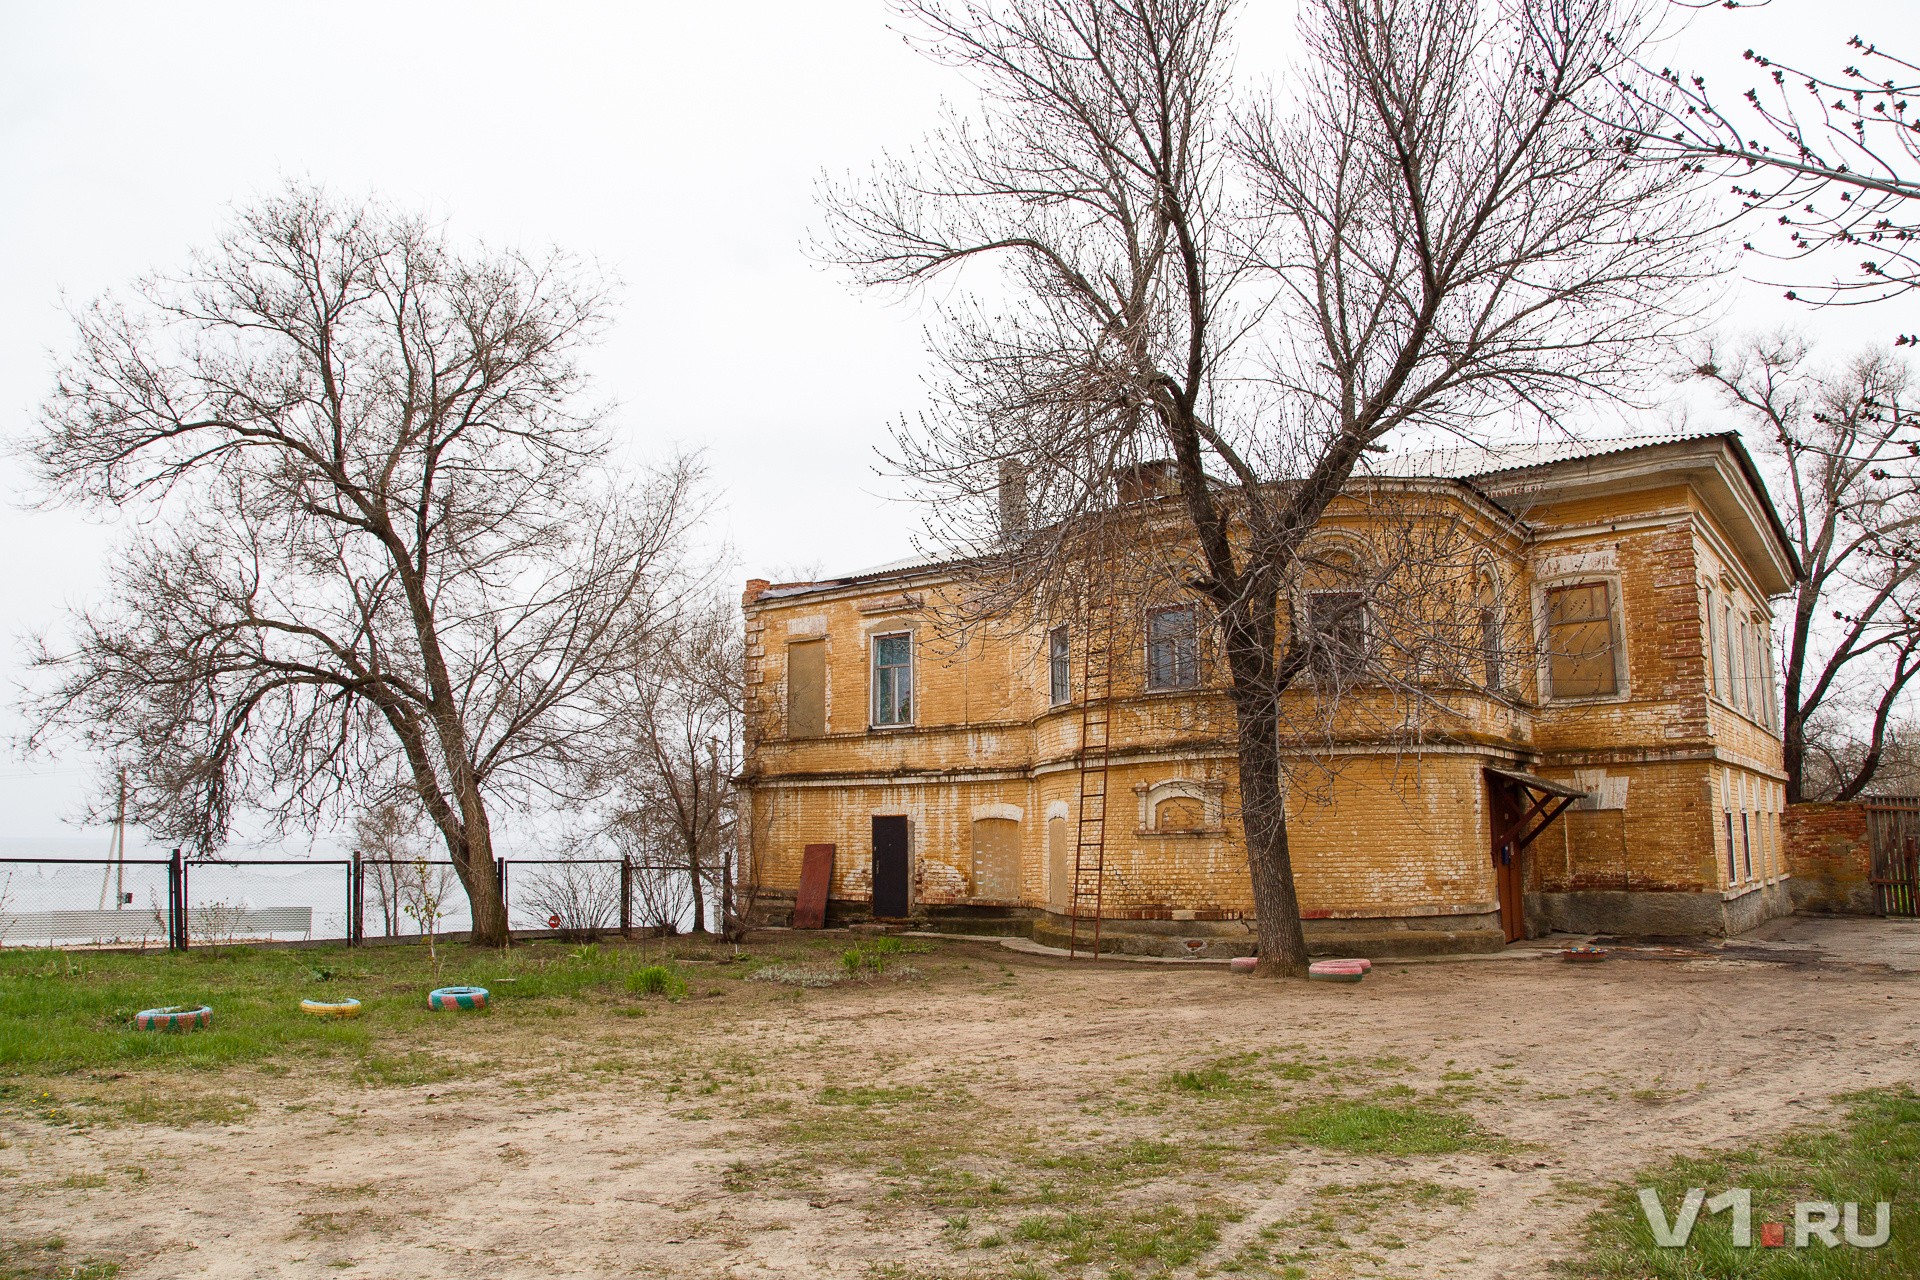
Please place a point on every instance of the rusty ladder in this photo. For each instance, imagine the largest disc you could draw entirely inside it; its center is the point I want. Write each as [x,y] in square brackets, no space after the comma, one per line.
[1096,750]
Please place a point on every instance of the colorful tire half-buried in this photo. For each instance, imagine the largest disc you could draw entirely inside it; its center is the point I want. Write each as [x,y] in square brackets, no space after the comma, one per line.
[1335,971]
[330,1008]
[458,998]
[174,1018]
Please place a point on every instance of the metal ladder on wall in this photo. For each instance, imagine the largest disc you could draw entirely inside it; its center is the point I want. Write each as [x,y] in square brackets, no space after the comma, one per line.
[1096,751]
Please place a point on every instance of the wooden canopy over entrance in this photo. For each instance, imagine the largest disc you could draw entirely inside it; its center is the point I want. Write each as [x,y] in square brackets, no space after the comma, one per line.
[1522,806]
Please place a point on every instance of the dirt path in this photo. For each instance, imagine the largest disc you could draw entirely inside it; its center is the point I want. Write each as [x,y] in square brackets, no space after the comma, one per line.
[854,1132]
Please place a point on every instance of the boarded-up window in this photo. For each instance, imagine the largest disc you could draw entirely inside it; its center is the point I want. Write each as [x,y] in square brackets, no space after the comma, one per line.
[1180,813]
[1059,869]
[1489,619]
[996,859]
[807,689]
[1580,641]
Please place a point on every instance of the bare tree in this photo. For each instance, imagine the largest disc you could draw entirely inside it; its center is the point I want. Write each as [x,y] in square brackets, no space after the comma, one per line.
[390,833]
[583,892]
[1428,236]
[1833,157]
[1841,436]
[671,768]
[388,539]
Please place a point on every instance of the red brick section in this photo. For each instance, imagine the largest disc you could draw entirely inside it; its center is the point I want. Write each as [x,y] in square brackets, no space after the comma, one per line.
[1828,848]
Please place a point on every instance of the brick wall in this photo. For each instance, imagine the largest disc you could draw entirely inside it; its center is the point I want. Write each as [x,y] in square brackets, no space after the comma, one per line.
[1831,857]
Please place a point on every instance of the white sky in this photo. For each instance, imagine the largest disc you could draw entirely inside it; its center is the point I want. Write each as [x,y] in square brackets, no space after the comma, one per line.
[677,144]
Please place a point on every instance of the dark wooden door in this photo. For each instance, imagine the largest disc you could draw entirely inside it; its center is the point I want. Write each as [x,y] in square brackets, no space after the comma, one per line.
[890,868]
[1504,809]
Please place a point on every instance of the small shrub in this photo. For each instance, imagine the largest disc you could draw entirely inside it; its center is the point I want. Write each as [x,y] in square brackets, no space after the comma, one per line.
[657,980]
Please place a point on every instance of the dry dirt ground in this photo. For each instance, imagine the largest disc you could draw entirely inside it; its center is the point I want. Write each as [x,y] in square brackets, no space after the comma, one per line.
[998,1114]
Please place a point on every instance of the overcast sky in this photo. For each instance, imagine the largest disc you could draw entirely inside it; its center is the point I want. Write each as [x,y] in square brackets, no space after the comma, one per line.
[676,144]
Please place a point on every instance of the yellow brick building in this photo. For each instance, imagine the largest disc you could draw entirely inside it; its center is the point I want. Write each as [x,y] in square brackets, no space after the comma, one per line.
[1631,577]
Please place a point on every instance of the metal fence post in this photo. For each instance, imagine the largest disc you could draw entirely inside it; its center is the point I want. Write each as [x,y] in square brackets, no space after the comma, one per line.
[626,896]
[176,903]
[500,868]
[353,900]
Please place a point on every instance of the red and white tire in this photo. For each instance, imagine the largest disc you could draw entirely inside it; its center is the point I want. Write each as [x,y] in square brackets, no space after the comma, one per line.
[1336,971]
[330,1008]
[452,998]
[175,1018]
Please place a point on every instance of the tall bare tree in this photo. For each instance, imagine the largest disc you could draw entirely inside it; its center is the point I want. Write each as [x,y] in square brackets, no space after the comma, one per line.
[387,539]
[1428,236]
[1842,437]
[671,766]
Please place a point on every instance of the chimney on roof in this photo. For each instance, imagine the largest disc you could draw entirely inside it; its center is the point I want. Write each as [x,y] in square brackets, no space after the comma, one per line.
[1012,492]
[754,587]
[1143,481]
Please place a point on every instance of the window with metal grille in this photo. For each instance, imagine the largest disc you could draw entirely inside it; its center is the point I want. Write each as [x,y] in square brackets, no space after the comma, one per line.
[1059,671]
[1337,623]
[1173,649]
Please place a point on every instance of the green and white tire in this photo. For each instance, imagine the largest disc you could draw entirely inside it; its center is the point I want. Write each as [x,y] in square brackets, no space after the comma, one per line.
[457,998]
[175,1018]
[330,1008]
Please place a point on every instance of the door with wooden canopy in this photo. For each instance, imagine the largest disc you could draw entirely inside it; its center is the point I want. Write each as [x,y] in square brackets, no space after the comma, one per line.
[1521,806]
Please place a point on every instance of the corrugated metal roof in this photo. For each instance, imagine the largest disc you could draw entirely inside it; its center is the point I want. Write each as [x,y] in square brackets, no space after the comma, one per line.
[1465,462]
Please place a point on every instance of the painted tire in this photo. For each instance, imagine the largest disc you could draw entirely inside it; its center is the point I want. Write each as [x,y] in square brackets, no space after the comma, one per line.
[458,998]
[1366,966]
[330,1008]
[1336,971]
[1243,964]
[174,1018]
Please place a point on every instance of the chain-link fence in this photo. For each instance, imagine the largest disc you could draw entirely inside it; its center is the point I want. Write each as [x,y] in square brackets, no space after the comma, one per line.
[178,902]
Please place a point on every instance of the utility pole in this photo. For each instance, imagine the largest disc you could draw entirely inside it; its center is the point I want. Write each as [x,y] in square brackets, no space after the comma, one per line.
[117,851]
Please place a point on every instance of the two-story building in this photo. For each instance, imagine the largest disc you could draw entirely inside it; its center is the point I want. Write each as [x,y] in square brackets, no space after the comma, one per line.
[1606,759]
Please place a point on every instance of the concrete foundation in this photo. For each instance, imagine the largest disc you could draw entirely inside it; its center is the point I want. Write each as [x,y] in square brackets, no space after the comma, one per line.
[1606,911]
[1374,938]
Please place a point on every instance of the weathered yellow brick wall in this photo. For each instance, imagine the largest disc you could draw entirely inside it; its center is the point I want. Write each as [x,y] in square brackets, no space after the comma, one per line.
[1385,835]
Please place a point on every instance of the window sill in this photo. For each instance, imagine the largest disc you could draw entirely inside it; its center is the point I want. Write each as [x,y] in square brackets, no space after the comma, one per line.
[1587,700]
[1145,833]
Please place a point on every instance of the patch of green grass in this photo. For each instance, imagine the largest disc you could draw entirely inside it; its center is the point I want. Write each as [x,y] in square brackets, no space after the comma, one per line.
[657,980]
[1869,1154]
[867,1095]
[47,1259]
[65,1012]
[1205,1080]
[1373,1128]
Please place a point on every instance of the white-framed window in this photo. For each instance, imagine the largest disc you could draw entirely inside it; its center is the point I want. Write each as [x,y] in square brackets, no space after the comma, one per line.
[893,679]
[1173,648]
[1059,667]
[1716,683]
[1583,639]
[1733,869]
[1732,666]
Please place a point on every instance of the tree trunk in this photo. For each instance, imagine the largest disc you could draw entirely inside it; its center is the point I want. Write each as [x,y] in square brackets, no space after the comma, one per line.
[473,862]
[1263,816]
[699,901]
